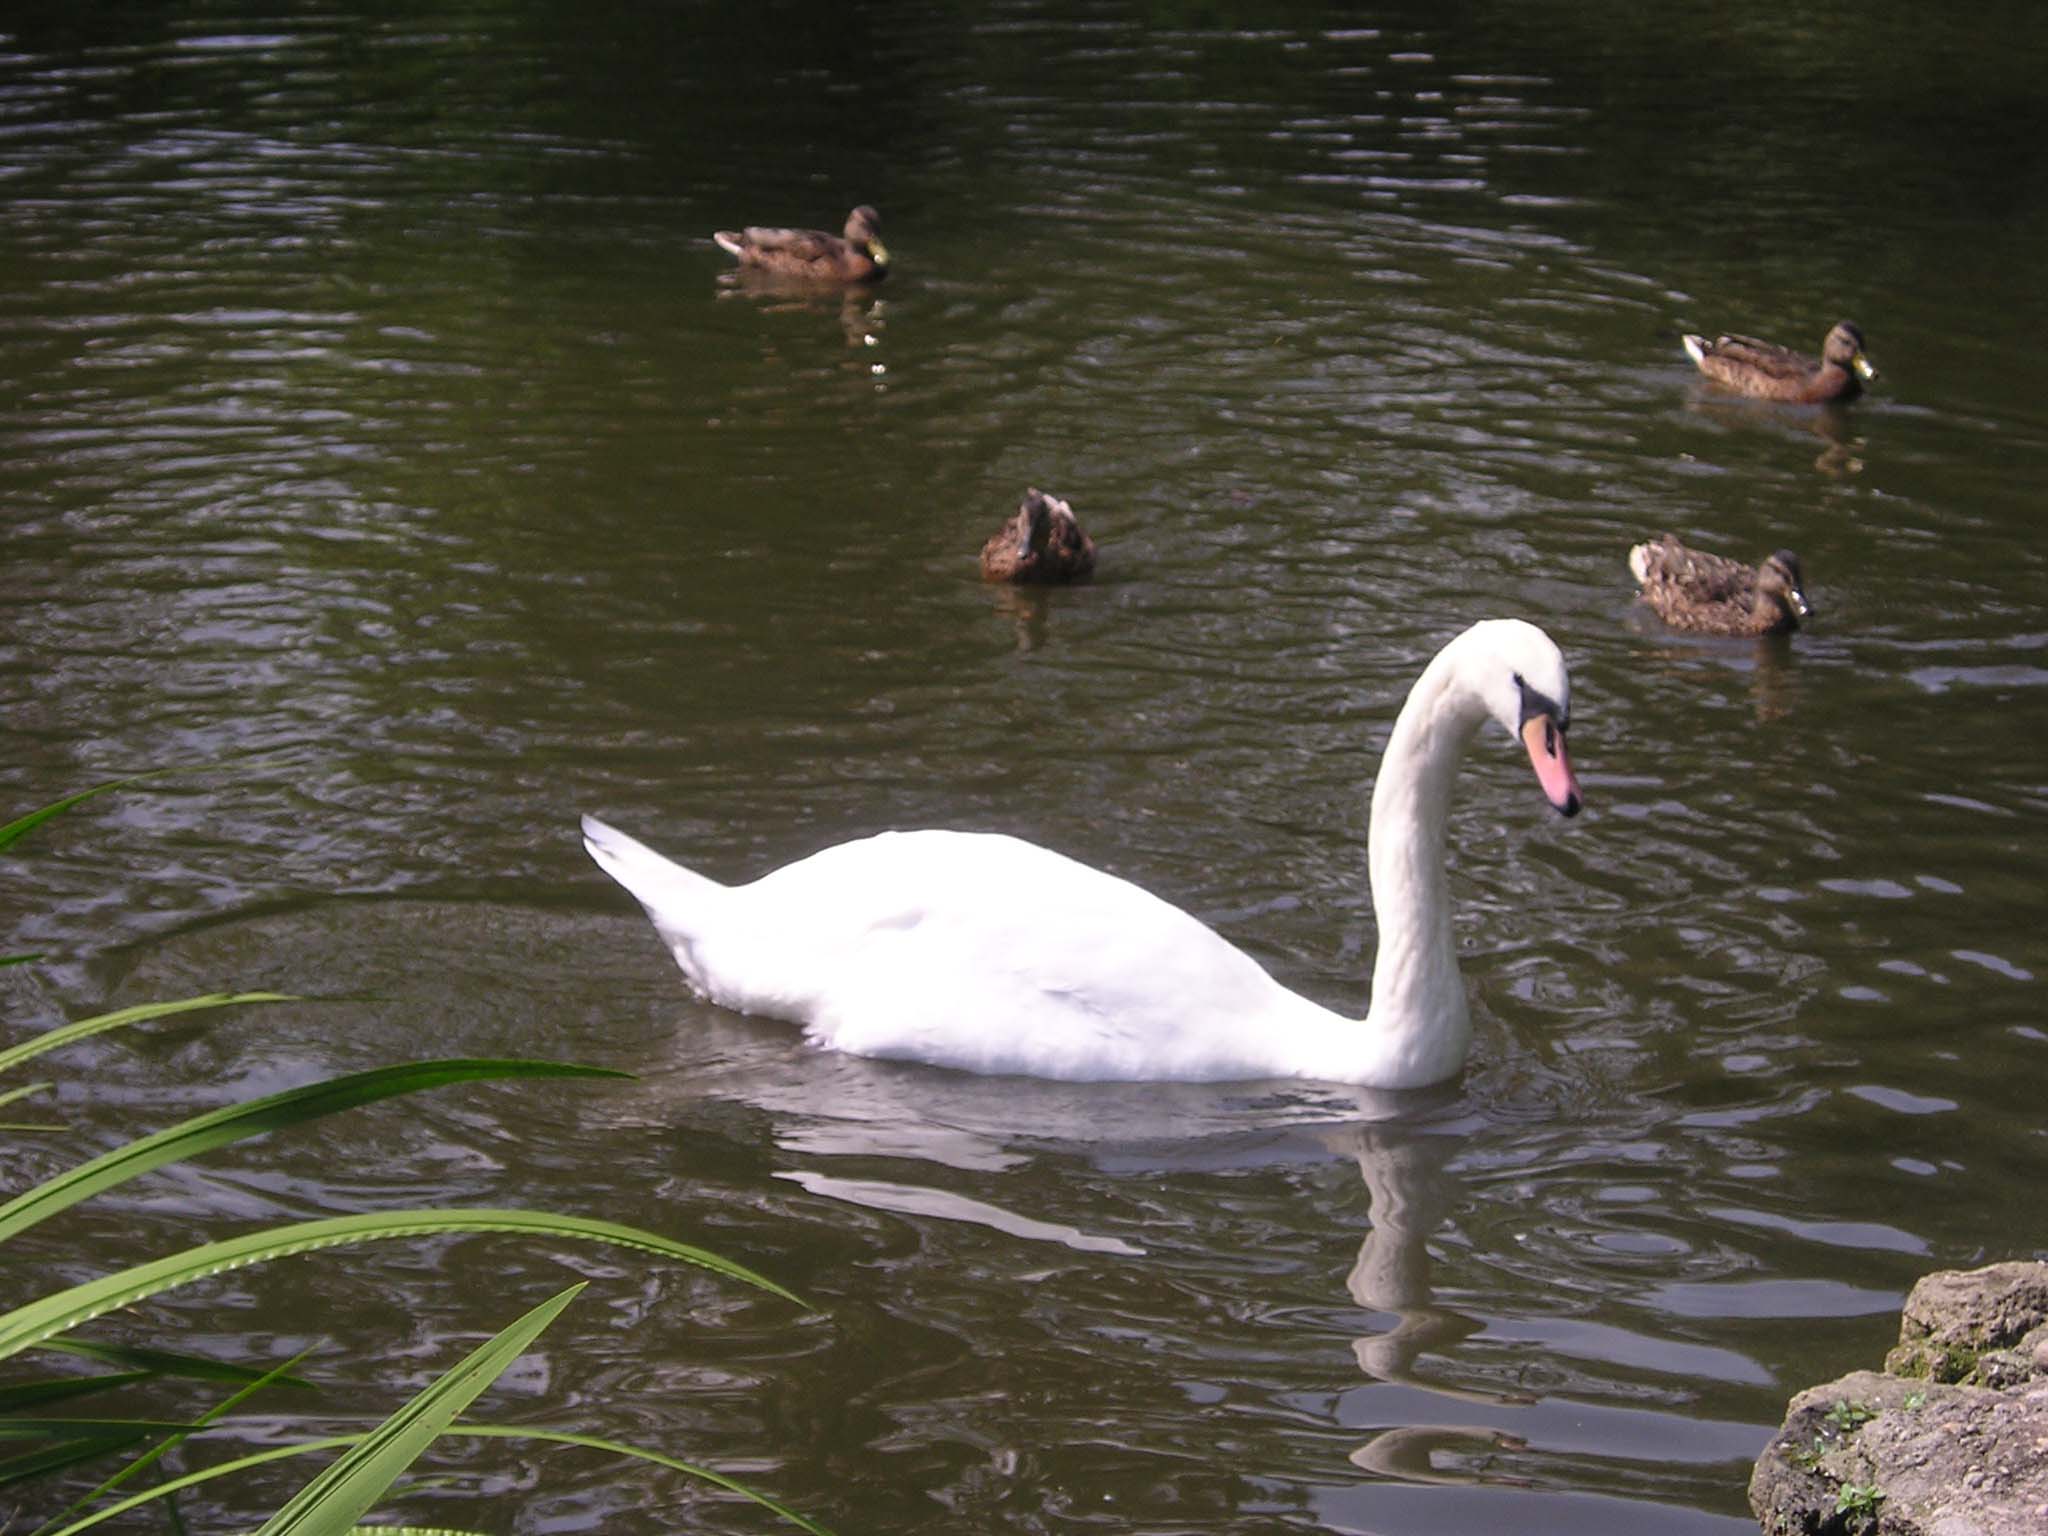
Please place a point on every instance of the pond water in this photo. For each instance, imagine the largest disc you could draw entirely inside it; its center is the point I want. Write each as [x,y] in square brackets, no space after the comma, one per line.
[383,447]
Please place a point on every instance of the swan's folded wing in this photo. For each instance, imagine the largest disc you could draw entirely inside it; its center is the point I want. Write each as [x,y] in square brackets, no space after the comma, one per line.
[996,956]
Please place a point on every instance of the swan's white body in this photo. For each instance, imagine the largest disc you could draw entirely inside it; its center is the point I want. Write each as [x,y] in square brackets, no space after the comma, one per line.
[985,953]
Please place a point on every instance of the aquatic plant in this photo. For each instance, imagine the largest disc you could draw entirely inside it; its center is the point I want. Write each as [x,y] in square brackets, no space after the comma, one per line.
[357,1479]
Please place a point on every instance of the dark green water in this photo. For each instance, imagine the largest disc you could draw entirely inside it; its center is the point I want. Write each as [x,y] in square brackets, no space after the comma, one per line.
[369,396]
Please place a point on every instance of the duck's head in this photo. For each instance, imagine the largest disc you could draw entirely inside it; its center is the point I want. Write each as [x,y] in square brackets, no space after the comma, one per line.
[1844,348]
[1519,675]
[1779,580]
[864,227]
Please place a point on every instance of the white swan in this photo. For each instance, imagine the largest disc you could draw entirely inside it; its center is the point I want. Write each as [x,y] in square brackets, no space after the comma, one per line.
[985,953]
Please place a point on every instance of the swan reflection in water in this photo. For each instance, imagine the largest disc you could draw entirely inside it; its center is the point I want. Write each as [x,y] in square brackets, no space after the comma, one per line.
[828,1105]
[1411,1192]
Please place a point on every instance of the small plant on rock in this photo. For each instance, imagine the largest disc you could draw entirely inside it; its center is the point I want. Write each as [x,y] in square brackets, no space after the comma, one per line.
[1848,1417]
[1859,1502]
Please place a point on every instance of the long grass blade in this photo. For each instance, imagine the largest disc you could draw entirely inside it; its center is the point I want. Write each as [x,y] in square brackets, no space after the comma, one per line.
[26,1090]
[70,1034]
[456,1432]
[258,1117]
[62,1389]
[21,826]
[334,1500]
[68,1453]
[277,1374]
[187,1480]
[50,1315]
[620,1448]
[164,1362]
[85,1429]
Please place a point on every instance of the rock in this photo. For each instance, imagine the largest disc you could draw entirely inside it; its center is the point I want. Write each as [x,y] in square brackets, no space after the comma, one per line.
[1953,1317]
[1952,1440]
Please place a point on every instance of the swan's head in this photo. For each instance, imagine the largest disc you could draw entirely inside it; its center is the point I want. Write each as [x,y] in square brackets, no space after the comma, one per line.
[1519,675]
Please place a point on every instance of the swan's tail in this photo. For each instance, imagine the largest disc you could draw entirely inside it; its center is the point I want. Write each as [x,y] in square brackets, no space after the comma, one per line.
[679,900]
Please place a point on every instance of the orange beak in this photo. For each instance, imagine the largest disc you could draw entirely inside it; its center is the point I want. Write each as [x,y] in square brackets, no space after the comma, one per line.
[1552,763]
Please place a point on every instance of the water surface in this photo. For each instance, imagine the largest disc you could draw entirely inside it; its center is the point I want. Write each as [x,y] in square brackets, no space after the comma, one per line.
[377,422]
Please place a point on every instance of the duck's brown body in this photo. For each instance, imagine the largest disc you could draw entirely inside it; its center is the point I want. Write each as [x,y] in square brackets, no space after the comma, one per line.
[1044,543]
[1711,594]
[1770,372]
[811,255]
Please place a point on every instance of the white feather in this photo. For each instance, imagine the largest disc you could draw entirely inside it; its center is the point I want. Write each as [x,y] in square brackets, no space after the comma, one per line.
[989,954]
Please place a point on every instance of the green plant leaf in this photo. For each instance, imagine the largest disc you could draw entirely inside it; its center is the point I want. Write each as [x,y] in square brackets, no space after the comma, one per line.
[50,1315]
[85,1429]
[58,1389]
[620,1448]
[28,959]
[69,1034]
[333,1501]
[19,1469]
[164,1362]
[258,1117]
[456,1432]
[207,1475]
[13,1095]
[275,1375]
[21,826]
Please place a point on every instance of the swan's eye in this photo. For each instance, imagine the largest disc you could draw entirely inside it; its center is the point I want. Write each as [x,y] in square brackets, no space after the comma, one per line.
[1536,702]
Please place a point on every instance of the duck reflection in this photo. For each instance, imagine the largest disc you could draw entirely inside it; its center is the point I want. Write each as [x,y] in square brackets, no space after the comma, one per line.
[1026,608]
[1841,453]
[862,317]
[1768,663]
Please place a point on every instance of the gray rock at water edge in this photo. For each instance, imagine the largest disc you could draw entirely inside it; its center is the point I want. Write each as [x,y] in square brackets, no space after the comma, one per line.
[1973,1325]
[1950,1440]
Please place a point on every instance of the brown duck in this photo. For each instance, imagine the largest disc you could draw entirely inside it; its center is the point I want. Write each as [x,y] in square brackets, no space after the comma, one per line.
[1714,595]
[811,255]
[1042,544]
[1752,367]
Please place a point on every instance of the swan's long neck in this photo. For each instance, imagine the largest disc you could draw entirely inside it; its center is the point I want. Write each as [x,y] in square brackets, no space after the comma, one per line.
[1418,1016]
